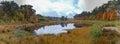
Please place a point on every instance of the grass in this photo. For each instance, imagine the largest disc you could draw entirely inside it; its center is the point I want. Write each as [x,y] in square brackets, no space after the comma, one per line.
[21,33]
[77,36]
[85,35]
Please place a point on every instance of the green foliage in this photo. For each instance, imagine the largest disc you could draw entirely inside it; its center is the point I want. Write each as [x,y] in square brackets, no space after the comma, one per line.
[95,31]
[12,12]
[63,18]
[41,19]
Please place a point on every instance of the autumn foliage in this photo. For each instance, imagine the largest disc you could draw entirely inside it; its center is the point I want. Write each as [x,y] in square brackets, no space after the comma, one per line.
[105,16]
[105,12]
[110,15]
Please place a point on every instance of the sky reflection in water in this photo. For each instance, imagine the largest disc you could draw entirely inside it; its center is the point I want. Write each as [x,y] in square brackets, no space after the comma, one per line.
[54,29]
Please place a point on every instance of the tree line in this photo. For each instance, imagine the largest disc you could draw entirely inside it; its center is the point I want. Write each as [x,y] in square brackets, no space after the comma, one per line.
[12,12]
[107,12]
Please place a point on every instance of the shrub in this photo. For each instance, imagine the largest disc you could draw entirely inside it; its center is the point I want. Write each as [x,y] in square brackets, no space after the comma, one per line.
[95,31]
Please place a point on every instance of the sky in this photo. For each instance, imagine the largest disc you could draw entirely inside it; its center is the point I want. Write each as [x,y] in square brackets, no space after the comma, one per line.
[58,8]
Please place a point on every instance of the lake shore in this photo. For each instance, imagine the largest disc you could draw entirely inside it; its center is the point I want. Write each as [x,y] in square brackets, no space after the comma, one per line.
[10,27]
[14,26]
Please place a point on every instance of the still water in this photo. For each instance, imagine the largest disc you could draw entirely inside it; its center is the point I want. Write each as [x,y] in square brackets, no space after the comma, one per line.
[54,29]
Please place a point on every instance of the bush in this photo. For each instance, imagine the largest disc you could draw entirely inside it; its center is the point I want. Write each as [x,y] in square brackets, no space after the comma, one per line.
[95,31]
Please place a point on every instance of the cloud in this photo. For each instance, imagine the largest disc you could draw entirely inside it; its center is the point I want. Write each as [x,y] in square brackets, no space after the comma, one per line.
[56,6]
[91,4]
[18,1]
[61,7]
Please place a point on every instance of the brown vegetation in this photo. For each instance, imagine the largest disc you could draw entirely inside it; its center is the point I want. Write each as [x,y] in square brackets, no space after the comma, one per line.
[76,36]
[111,15]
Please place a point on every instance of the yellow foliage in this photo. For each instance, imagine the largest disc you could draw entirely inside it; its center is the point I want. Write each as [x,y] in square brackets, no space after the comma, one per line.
[110,15]
[105,16]
[113,15]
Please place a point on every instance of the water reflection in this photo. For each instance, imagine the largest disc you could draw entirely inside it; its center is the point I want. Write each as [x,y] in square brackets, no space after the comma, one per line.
[63,24]
[55,29]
